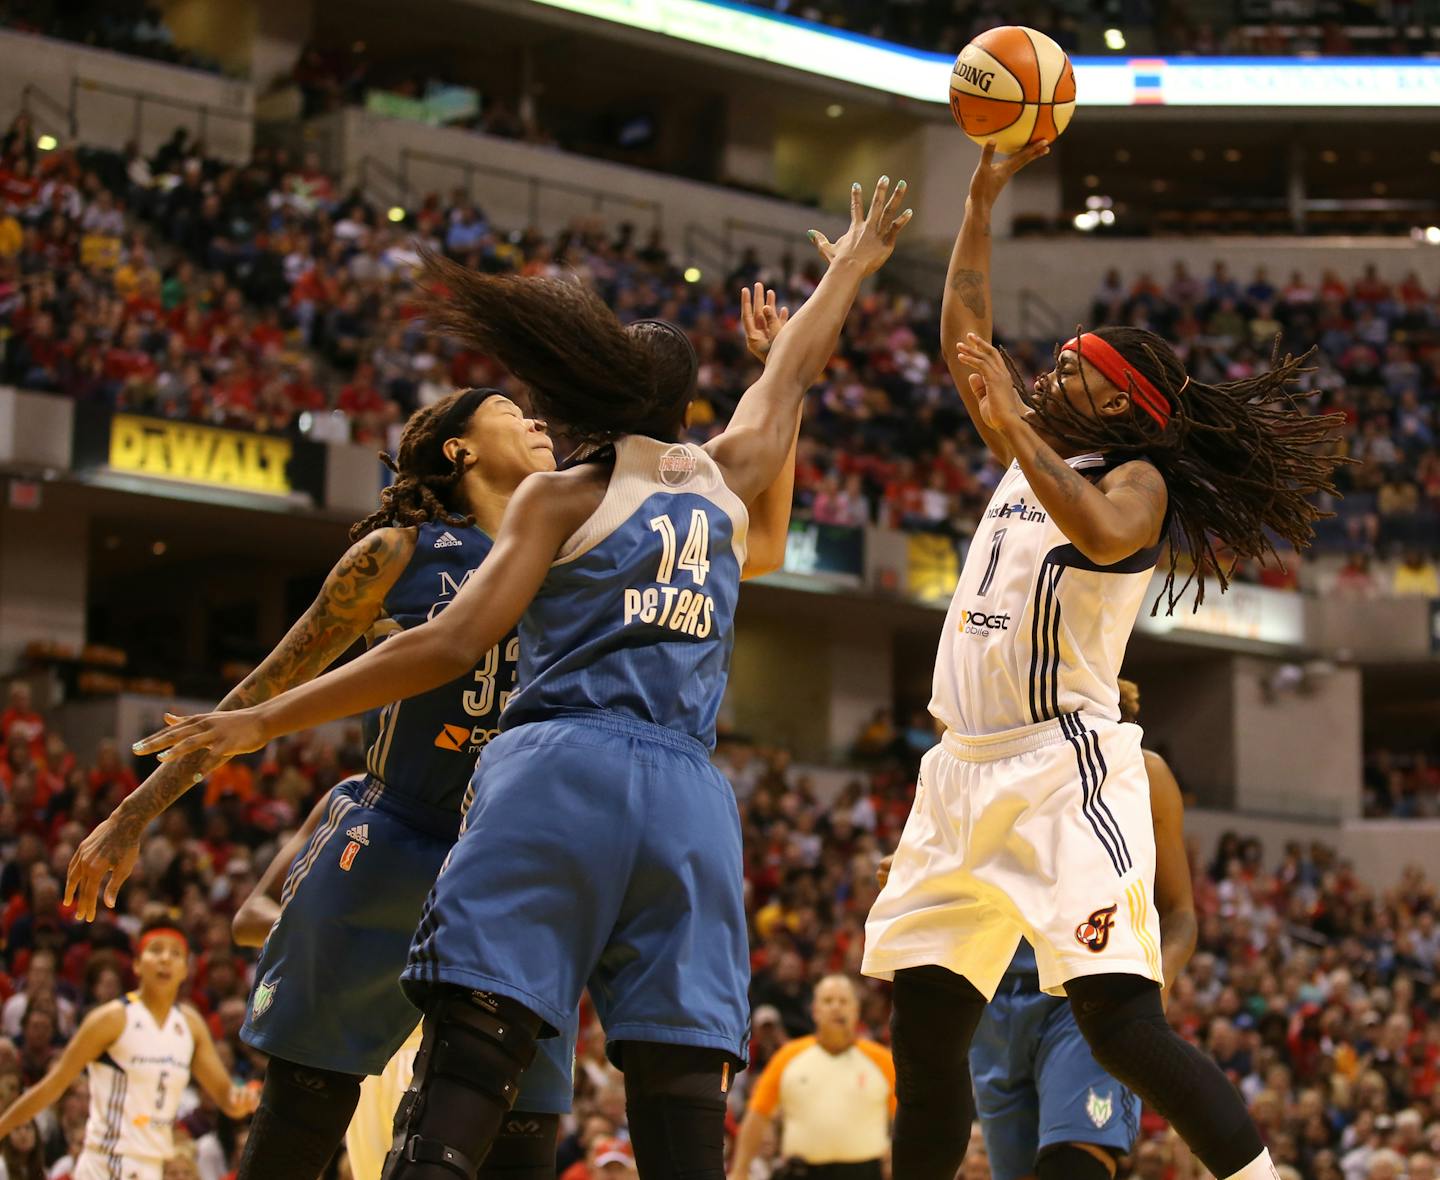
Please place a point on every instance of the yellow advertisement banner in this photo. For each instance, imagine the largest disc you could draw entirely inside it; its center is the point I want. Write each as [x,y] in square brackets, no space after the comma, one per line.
[206,455]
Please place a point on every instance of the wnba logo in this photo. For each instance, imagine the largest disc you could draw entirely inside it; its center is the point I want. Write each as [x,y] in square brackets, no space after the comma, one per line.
[1094,933]
[676,465]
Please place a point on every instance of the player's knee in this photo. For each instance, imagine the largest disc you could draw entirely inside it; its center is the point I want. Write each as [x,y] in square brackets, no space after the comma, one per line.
[467,1074]
[1118,1015]
[310,1097]
[524,1149]
[933,1019]
[675,1102]
[1075,1161]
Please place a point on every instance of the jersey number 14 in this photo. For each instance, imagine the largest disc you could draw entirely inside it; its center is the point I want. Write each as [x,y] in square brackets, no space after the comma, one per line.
[694,555]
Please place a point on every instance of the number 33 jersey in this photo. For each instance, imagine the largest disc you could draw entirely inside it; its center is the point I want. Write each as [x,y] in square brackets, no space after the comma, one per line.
[635,614]
[1035,629]
[420,752]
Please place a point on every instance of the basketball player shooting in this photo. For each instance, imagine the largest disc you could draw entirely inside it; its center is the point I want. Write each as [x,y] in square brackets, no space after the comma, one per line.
[1032,817]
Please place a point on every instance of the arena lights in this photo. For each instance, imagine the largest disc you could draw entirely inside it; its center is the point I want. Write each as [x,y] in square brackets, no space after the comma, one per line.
[1101,81]
[396,213]
[692,274]
[47,143]
[1114,39]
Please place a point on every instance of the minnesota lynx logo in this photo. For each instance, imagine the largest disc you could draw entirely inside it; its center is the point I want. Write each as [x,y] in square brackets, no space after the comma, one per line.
[1094,933]
[264,997]
[1100,1109]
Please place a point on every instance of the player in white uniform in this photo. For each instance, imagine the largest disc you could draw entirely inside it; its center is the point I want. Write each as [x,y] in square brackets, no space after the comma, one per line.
[1032,816]
[141,1052]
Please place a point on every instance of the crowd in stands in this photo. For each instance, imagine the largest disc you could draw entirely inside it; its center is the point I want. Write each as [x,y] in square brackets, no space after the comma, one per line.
[126,26]
[261,296]
[1317,993]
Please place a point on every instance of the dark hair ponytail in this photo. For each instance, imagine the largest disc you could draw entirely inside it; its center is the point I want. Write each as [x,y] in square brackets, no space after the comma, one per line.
[425,479]
[589,376]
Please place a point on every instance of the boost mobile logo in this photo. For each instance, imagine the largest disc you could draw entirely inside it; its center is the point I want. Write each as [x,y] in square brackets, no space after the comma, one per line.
[974,622]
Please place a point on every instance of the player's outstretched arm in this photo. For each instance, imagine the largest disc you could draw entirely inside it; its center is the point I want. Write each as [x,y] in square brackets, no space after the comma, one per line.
[547,508]
[966,306]
[753,447]
[770,511]
[1107,521]
[1174,895]
[97,1032]
[348,603]
[258,912]
[208,1070]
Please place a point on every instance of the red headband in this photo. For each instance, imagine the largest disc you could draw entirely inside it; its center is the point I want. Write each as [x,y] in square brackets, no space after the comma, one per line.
[1121,373]
[162,932]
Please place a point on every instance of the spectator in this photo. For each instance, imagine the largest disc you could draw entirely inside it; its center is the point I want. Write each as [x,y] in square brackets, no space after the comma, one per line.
[1416,574]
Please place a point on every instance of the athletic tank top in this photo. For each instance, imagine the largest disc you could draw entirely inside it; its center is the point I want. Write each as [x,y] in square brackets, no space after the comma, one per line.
[635,614]
[136,1085]
[420,752]
[1035,629]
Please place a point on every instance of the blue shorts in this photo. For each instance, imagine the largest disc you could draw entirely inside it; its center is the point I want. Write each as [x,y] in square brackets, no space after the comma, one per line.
[327,991]
[1037,1084]
[599,852]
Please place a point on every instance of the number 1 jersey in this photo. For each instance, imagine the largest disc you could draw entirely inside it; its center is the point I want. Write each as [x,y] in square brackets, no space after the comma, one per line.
[1035,629]
[635,614]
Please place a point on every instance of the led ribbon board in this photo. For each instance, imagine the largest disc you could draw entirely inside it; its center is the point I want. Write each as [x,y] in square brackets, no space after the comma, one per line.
[1100,81]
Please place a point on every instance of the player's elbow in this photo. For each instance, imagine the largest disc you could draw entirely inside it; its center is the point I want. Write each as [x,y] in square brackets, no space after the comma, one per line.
[1106,544]
[249,927]
[763,559]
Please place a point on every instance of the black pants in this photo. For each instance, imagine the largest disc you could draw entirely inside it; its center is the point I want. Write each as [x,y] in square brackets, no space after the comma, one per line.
[798,1169]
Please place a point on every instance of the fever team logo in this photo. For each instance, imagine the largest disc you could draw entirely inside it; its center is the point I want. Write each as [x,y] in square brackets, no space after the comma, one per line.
[1094,933]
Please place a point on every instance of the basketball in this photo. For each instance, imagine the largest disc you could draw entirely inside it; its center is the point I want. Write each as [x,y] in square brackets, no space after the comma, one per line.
[1013,85]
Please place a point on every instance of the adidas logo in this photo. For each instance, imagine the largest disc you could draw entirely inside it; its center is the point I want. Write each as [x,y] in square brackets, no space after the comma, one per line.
[448,541]
[360,833]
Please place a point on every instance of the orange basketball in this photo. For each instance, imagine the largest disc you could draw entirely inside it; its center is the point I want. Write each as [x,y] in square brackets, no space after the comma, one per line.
[1012,85]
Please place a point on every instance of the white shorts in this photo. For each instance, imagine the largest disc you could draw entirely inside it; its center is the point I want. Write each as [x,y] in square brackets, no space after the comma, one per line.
[372,1126]
[91,1166]
[1044,832]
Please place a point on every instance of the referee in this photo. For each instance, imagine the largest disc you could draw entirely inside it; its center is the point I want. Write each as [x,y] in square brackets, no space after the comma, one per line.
[833,1093]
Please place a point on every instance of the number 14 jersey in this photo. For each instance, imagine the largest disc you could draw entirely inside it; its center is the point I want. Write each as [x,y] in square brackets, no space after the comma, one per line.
[635,614]
[1035,629]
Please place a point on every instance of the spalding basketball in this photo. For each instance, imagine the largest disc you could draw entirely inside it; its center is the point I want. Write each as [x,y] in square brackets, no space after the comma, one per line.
[1012,85]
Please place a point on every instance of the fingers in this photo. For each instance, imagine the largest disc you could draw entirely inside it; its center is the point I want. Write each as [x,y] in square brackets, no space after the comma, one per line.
[857,205]
[177,727]
[987,154]
[897,225]
[823,244]
[71,878]
[877,203]
[747,312]
[1026,156]
[977,384]
[118,876]
[199,739]
[894,204]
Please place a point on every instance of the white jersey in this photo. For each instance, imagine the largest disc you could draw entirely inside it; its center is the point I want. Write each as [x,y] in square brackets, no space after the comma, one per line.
[135,1091]
[1036,630]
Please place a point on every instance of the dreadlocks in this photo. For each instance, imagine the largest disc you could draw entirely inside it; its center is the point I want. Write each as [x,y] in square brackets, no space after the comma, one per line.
[587,372]
[1240,459]
[425,480]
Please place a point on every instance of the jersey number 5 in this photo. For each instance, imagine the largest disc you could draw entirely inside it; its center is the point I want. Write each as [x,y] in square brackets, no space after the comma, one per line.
[694,555]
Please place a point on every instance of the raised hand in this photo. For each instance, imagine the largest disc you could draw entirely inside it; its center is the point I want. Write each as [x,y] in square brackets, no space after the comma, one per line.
[990,177]
[870,240]
[1001,403]
[761,319]
[109,851]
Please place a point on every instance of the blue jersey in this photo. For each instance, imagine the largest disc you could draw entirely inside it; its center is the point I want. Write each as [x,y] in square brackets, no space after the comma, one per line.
[421,751]
[635,614]
[1024,962]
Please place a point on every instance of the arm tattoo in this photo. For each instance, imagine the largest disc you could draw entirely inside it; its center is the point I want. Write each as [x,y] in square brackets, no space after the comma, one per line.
[349,601]
[970,286]
[1068,482]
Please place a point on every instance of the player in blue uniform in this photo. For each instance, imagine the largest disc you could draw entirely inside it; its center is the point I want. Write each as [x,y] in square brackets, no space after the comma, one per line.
[602,848]
[1047,1110]
[327,1005]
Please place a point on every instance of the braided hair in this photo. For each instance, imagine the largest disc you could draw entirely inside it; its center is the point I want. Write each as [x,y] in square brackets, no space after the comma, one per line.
[1241,459]
[426,481]
[588,374]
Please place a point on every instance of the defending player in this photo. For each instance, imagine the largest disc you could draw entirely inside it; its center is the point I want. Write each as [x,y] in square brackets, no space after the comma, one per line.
[1032,816]
[602,847]
[1047,1109]
[141,1052]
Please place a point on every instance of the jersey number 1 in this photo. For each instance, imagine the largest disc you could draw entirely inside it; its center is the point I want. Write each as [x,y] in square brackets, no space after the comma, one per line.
[694,555]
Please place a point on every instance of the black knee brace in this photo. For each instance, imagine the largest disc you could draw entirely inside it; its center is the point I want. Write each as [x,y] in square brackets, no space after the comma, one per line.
[931,1026]
[1066,1161]
[1125,1025]
[524,1149]
[300,1123]
[474,1049]
[675,1101]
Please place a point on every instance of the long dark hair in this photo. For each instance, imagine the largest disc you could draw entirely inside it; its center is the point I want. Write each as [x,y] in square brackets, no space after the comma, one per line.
[1241,460]
[29,1165]
[591,377]
[425,479]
